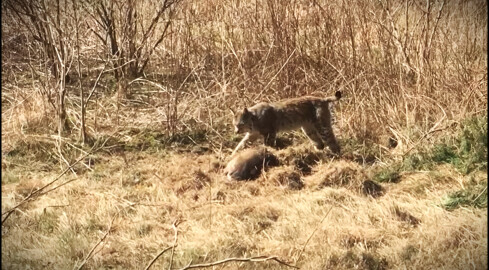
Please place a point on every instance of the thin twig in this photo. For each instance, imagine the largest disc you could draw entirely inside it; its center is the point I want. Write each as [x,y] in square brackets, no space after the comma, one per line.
[172,247]
[39,192]
[310,236]
[64,159]
[157,256]
[96,245]
[55,206]
[251,259]
[274,76]
[58,186]
[479,194]
[174,226]
[95,85]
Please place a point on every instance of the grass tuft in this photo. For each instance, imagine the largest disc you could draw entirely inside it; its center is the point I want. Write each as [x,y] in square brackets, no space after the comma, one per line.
[9,177]
[469,151]
[351,260]
[388,175]
[474,195]
[370,262]
[409,252]
[47,222]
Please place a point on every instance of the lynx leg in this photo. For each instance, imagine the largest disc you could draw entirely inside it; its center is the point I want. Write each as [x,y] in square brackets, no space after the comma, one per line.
[328,137]
[248,136]
[326,131]
[269,139]
[313,135]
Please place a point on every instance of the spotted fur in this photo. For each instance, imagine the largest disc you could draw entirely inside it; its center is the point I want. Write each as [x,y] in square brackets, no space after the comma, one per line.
[311,114]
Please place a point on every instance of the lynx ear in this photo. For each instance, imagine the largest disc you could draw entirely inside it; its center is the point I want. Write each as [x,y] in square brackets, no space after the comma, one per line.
[245,111]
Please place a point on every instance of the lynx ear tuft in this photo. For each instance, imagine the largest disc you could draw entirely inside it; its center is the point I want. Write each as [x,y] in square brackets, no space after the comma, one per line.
[337,94]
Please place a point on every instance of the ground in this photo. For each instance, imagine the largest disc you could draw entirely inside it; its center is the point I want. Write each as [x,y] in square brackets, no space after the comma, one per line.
[312,211]
[152,84]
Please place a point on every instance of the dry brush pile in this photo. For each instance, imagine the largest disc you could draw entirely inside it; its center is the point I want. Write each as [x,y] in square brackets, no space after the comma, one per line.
[122,107]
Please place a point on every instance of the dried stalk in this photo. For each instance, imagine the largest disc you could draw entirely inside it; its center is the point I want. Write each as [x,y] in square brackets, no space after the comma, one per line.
[96,245]
[313,232]
[174,226]
[172,247]
[38,192]
[251,259]
[156,257]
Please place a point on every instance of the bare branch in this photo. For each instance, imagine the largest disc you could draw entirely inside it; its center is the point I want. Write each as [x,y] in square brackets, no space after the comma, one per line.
[163,35]
[96,245]
[95,84]
[174,226]
[251,259]
[156,257]
[313,232]
[38,192]
[438,17]
[153,24]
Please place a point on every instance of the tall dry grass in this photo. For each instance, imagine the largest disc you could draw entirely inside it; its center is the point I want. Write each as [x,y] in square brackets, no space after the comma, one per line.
[410,70]
[400,64]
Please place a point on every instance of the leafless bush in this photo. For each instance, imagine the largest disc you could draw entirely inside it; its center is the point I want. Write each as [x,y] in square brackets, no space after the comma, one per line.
[49,25]
[128,33]
[400,64]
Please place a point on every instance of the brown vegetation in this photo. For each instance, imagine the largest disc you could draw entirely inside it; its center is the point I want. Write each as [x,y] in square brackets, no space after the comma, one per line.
[116,131]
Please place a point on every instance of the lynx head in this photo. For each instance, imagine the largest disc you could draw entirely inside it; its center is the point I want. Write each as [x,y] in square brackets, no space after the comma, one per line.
[243,121]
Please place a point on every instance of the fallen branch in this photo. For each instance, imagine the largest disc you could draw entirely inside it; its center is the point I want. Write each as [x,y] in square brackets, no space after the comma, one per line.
[58,186]
[38,192]
[174,226]
[313,232]
[96,245]
[157,256]
[251,259]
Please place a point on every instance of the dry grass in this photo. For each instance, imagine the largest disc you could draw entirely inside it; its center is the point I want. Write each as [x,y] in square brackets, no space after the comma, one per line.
[147,193]
[159,168]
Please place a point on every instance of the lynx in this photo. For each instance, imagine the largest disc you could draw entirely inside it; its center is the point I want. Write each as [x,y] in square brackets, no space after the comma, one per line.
[311,114]
[249,164]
